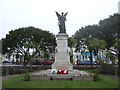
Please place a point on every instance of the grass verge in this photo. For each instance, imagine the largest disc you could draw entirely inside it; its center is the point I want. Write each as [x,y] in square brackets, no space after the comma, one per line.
[16,82]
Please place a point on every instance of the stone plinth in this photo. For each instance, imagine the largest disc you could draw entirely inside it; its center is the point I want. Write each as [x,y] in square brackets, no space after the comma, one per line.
[62,58]
[72,75]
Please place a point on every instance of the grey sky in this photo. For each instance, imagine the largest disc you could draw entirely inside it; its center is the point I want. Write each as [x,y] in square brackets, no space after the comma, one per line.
[41,14]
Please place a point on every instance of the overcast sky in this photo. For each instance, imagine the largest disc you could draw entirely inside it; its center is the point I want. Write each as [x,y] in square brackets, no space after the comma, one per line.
[15,14]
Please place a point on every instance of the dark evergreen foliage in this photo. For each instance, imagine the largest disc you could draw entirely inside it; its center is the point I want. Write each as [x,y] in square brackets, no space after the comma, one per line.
[22,39]
[107,30]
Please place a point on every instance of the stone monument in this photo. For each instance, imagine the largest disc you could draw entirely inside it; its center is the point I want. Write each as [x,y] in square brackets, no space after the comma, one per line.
[62,57]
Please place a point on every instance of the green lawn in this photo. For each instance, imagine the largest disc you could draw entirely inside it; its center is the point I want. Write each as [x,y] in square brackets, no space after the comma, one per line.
[16,82]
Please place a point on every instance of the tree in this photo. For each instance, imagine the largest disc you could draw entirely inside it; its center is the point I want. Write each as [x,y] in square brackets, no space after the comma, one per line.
[71,44]
[117,46]
[110,57]
[95,45]
[107,30]
[87,32]
[46,56]
[98,45]
[22,39]
[0,47]
[90,45]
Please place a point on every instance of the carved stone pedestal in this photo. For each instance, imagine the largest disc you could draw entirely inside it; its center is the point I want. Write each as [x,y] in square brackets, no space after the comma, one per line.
[62,58]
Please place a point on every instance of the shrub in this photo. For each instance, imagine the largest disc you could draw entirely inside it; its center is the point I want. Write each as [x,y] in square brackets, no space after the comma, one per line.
[39,69]
[26,76]
[96,76]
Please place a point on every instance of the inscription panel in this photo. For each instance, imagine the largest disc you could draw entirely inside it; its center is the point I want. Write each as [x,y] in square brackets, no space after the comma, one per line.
[62,67]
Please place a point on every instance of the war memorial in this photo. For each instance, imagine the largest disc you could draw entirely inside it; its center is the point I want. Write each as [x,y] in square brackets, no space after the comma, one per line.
[61,69]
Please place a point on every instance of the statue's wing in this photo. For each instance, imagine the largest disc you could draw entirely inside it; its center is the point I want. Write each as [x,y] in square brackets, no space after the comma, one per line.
[65,15]
[58,15]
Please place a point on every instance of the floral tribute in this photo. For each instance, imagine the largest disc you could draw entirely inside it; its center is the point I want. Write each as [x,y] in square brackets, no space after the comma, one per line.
[62,72]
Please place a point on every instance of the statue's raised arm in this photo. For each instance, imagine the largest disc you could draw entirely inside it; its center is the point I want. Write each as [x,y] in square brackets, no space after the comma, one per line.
[61,23]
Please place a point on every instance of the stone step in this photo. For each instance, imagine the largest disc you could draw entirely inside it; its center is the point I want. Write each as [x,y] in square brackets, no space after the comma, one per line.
[61,77]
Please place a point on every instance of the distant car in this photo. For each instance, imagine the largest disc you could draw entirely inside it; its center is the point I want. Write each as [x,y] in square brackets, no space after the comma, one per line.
[87,62]
[46,62]
[43,62]
[7,61]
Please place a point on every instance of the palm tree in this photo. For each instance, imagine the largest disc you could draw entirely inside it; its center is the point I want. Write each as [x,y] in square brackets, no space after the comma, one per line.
[91,47]
[95,45]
